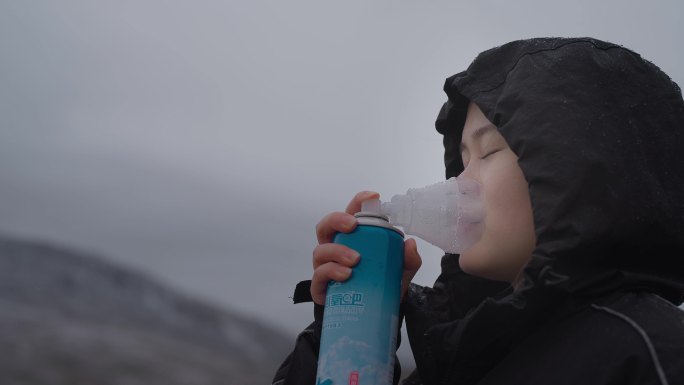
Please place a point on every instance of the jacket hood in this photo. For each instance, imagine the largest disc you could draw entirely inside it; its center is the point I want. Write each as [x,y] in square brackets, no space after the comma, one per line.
[598,132]
[599,135]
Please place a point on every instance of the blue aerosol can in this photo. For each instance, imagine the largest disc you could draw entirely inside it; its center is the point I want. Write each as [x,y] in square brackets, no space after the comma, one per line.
[361,316]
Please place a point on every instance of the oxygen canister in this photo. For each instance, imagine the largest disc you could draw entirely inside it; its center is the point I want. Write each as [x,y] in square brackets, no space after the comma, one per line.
[361,316]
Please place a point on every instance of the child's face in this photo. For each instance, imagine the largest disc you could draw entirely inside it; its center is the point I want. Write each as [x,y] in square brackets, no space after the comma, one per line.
[508,238]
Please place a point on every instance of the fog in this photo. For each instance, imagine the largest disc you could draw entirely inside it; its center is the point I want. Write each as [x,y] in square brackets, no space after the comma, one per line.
[202,141]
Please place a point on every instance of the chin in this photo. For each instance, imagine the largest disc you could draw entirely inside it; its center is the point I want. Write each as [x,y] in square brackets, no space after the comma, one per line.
[477,264]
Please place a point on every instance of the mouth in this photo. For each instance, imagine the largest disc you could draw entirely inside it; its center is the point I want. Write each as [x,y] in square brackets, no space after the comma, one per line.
[470,232]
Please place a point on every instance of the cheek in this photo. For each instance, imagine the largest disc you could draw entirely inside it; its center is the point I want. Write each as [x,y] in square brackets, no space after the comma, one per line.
[506,195]
[508,237]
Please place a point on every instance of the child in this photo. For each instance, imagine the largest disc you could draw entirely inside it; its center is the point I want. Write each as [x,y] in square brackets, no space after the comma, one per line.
[576,143]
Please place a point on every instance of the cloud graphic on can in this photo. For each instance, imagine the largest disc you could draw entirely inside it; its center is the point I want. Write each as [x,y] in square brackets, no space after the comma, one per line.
[347,356]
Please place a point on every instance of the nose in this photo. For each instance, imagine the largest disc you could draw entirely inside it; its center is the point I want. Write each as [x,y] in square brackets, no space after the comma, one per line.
[471,171]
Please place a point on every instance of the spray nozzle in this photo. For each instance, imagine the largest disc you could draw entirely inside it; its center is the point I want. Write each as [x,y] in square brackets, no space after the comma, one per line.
[371,206]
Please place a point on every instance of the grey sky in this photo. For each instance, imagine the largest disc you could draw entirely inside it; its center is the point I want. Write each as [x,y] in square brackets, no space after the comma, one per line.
[202,141]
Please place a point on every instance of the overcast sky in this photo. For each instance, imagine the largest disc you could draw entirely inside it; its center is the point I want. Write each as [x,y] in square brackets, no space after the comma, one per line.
[201,141]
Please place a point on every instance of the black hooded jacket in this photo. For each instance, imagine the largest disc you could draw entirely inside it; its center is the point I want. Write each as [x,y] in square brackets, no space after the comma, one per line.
[599,133]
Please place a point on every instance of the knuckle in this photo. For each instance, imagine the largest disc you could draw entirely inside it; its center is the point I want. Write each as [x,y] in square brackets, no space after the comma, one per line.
[326,227]
[316,279]
[315,255]
[322,272]
[320,227]
[320,254]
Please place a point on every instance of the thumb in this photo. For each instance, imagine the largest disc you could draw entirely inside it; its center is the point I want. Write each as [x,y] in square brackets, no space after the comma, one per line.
[412,260]
[412,263]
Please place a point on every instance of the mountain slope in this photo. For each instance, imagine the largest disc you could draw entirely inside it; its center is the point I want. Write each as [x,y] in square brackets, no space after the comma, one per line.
[70,318]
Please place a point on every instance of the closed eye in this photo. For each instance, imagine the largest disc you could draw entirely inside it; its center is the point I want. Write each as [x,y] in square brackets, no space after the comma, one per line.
[490,153]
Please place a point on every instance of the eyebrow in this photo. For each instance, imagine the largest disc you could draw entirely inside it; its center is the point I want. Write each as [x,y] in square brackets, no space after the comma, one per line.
[478,133]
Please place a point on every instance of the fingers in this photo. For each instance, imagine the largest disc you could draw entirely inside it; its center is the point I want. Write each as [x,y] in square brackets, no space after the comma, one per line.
[333,262]
[342,222]
[333,252]
[325,273]
[412,262]
[334,223]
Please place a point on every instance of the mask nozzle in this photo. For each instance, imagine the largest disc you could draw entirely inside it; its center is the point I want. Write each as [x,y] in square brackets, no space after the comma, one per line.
[447,214]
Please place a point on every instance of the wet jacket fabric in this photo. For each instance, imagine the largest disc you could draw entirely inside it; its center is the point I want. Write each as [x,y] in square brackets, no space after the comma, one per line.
[599,135]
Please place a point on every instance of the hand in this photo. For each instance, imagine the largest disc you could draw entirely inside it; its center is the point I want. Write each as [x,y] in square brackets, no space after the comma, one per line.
[333,262]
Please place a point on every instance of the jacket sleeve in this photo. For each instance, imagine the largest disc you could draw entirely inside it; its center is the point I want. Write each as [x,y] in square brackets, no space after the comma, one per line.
[300,366]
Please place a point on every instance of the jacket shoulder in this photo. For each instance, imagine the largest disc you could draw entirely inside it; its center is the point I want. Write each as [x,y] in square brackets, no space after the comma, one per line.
[651,325]
[635,338]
